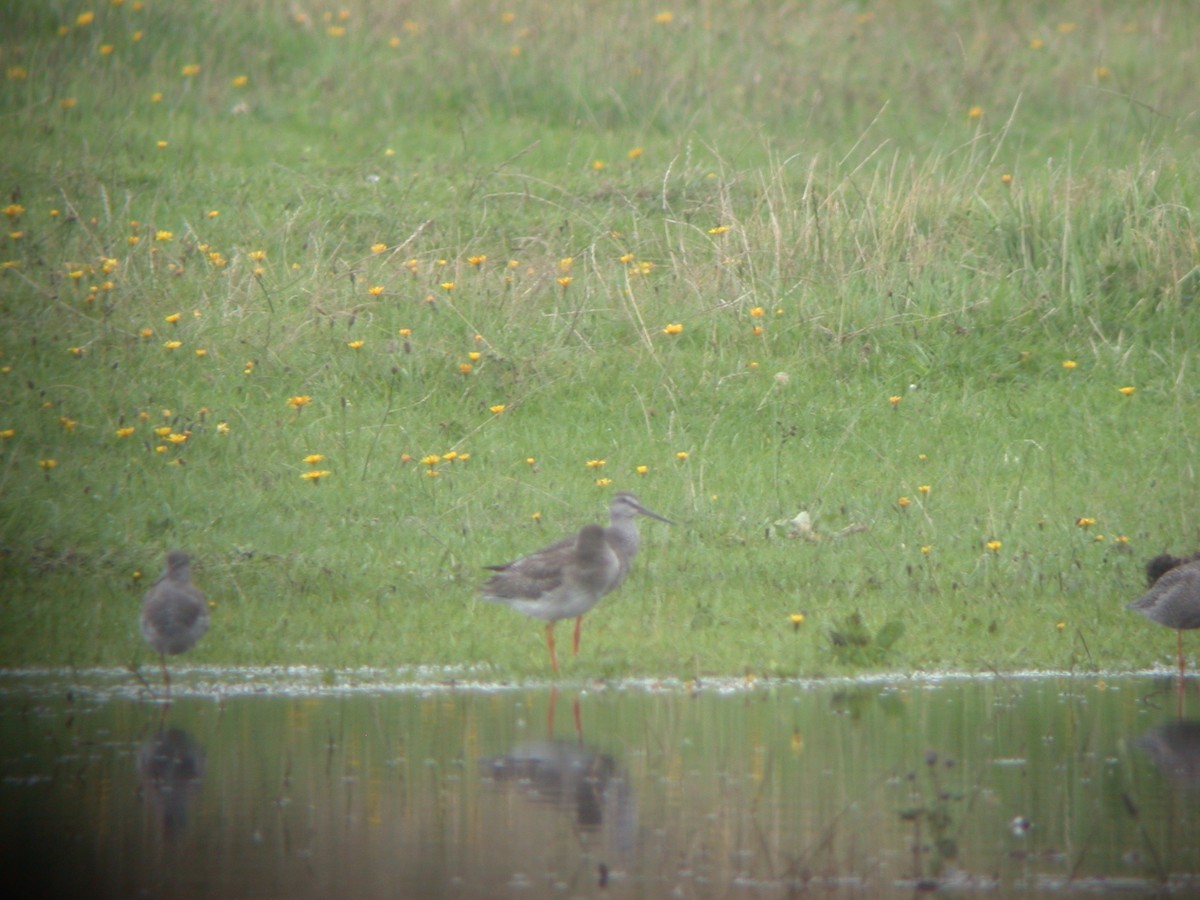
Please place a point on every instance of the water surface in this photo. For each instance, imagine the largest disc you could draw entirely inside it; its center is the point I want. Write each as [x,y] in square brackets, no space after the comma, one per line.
[296,784]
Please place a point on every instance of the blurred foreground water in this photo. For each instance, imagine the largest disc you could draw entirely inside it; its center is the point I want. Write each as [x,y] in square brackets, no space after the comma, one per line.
[260,785]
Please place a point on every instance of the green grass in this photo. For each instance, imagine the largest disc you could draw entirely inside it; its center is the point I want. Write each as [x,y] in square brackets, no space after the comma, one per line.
[813,173]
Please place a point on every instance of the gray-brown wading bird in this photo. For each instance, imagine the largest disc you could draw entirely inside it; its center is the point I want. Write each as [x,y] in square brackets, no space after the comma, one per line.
[174,612]
[1174,596]
[568,578]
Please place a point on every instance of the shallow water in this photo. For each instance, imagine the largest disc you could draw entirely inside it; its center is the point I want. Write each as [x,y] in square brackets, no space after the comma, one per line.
[302,784]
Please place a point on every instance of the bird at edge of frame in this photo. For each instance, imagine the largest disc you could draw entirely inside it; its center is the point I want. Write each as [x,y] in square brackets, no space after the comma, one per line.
[1174,597]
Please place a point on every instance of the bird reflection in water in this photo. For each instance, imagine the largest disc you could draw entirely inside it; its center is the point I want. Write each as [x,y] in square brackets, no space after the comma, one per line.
[575,779]
[1174,747]
[170,772]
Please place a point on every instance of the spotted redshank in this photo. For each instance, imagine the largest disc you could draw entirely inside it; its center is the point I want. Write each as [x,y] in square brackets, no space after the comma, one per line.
[174,612]
[569,577]
[1174,596]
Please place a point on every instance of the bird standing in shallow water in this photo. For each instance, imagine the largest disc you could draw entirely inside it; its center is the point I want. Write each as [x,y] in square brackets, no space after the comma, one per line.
[1174,596]
[174,612]
[569,577]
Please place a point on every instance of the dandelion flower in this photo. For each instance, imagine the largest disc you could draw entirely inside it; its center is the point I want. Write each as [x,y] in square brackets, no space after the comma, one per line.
[379,247]
[405,332]
[173,345]
[565,281]
[315,475]
[1006,178]
[756,312]
[375,290]
[313,458]
[1069,364]
[642,470]
[172,319]
[48,464]
[465,368]
[477,261]
[596,463]
[603,482]
[923,488]
[447,285]
[718,229]
[681,455]
[797,619]
[355,345]
[1127,391]
[673,328]
[222,428]
[895,400]
[975,112]
[1085,522]
[498,408]
[994,546]
[299,401]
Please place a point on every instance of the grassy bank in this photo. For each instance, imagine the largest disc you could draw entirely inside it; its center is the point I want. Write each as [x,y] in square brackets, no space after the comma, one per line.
[930,277]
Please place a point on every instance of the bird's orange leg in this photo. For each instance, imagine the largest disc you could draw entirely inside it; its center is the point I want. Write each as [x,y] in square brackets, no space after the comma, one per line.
[162,661]
[550,711]
[1182,661]
[578,627]
[550,645]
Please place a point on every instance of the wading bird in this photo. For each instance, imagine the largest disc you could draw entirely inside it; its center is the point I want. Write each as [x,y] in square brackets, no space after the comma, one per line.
[174,612]
[569,577]
[1174,596]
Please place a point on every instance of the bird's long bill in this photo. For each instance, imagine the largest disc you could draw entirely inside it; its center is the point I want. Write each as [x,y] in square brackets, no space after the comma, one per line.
[653,515]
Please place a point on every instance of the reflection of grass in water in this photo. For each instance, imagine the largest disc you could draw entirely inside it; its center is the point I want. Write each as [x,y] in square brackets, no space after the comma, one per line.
[934,843]
[868,311]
